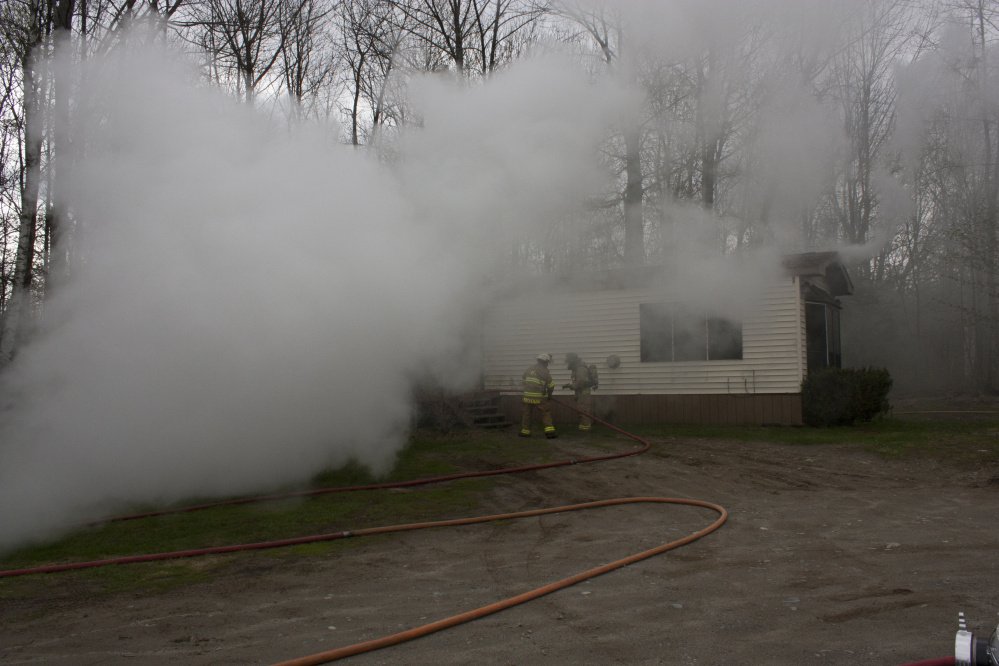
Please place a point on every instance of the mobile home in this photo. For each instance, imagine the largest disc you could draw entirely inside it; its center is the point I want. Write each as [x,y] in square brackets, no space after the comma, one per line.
[720,346]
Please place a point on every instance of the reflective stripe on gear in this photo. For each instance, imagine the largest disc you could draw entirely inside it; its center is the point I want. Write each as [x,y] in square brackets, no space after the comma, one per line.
[543,409]
[538,384]
[534,394]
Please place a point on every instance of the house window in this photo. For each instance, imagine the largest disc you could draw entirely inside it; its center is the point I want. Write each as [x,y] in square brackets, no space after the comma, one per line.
[670,333]
[822,336]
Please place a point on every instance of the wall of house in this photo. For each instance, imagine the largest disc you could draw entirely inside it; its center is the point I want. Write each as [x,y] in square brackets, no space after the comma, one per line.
[596,323]
[760,409]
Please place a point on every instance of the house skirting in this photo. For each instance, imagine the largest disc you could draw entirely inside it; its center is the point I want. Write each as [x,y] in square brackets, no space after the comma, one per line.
[757,409]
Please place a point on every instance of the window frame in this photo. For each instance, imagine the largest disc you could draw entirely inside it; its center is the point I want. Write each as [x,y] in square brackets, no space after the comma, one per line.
[825,351]
[659,341]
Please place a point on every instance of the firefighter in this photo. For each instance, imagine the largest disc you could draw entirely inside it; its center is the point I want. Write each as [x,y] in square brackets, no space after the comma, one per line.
[581,384]
[538,387]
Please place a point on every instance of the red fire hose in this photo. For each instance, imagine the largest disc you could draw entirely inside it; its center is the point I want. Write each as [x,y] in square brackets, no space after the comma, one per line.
[55,568]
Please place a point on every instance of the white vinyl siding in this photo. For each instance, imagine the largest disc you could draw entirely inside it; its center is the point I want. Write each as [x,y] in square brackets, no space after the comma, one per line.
[598,323]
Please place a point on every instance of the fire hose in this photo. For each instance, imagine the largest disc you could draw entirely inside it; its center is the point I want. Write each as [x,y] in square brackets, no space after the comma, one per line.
[986,649]
[427,629]
[217,550]
[442,624]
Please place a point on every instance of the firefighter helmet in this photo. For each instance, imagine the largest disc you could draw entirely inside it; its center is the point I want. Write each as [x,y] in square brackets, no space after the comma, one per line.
[545,358]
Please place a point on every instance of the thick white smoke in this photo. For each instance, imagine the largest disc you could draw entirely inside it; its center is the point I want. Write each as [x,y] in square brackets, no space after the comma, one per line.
[245,306]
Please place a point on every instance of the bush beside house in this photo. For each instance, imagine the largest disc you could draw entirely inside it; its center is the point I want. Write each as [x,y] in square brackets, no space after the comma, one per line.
[843,396]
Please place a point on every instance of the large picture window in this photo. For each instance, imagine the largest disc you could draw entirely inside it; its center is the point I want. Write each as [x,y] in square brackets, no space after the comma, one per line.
[672,333]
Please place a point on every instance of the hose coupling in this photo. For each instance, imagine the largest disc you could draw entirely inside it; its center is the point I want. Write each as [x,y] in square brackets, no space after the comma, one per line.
[971,651]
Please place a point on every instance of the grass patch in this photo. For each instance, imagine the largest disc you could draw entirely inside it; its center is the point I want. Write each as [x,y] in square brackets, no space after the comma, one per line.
[428,455]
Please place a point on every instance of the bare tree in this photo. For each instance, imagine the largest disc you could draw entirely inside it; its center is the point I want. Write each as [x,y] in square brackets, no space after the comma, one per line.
[24,29]
[476,36]
[725,77]
[104,23]
[943,260]
[10,158]
[39,33]
[605,26]
[307,65]
[673,147]
[864,87]
[986,232]
[243,39]
[57,220]
[370,34]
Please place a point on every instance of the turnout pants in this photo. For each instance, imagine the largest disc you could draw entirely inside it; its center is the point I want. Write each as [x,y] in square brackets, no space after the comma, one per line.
[546,416]
[584,403]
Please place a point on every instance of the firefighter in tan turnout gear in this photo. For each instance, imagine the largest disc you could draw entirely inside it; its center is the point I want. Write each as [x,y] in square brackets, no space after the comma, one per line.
[538,387]
[582,383]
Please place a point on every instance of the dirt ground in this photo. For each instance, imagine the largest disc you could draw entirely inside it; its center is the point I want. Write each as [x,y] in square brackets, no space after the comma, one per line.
[830,556]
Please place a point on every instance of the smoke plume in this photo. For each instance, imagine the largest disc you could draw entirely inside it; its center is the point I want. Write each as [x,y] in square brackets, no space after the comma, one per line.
[245,306]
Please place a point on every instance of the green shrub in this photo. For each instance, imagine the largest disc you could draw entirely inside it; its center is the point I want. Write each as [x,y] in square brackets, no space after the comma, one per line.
[870,397]
[843,396]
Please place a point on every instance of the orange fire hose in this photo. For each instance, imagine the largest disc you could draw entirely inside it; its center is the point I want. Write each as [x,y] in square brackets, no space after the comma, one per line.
[401,637]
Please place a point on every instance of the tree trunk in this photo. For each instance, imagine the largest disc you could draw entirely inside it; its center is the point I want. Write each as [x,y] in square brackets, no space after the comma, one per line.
[709,165]
[354,109]
[62,23]
[634,228]
[17,314]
